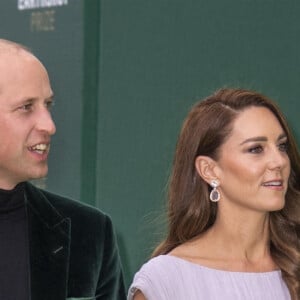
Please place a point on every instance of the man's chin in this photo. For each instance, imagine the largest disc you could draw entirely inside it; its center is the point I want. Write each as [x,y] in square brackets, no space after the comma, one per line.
[40,182]
[38,176]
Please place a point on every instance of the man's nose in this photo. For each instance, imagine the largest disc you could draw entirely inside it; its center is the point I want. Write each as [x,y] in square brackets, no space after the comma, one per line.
[45,122]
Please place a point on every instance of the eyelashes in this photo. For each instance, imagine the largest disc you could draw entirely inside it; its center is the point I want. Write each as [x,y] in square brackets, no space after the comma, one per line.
[257,149]
[30,106]
[283,147]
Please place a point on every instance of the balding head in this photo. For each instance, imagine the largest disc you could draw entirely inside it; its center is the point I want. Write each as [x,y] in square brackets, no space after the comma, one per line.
[12,57]
[7,46]
[10,49]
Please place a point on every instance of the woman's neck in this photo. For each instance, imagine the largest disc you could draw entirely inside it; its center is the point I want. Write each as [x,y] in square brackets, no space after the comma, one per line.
[232,244]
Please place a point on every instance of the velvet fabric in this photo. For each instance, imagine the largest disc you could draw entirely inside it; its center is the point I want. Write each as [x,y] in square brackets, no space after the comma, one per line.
[73,251]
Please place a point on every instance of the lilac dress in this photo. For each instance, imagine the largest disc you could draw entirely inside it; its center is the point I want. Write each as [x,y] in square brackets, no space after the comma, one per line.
[167,277]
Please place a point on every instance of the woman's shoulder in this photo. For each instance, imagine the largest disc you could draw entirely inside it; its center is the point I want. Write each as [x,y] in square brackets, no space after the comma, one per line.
[167,263]
[159,265]
[167,270]
[159,261]
[158,277]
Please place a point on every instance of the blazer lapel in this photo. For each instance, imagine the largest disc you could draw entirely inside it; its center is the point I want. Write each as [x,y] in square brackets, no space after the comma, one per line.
[49,247]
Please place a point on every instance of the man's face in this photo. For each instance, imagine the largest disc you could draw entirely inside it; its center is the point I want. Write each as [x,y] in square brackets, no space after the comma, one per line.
[25,121]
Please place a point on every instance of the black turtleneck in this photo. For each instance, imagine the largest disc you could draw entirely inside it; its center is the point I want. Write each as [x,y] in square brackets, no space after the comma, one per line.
[14,254]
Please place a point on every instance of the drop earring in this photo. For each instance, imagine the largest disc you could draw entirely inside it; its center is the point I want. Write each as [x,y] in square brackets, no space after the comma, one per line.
[214,195]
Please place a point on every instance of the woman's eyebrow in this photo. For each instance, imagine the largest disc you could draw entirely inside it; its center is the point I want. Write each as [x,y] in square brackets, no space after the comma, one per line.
[255,139]
[262,139]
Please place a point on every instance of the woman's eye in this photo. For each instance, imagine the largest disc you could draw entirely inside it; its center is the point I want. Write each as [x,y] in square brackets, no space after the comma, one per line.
[256,149]
[283,147]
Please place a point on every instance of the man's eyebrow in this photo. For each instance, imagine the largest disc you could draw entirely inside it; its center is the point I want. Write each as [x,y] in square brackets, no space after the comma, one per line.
[26,100]
[51,97]
[262,139]
[33,99]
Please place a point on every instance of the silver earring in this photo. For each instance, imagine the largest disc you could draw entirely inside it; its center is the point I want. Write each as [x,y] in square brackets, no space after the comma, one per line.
[214,195]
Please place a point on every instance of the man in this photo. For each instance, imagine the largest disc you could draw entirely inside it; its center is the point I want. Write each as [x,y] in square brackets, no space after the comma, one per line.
[51,247]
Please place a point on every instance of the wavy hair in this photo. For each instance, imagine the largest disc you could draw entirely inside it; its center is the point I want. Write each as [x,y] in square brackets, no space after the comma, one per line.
[190,212]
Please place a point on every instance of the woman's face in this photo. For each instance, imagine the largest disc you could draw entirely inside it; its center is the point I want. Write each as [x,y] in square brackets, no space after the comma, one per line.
[253,166]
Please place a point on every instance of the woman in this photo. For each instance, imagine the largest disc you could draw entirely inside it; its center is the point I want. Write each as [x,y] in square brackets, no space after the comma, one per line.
[234,207]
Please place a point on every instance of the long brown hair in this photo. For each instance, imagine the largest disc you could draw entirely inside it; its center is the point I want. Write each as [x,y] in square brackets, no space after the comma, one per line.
[190,212]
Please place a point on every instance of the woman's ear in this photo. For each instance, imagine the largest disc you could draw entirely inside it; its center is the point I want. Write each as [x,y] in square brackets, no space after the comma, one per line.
[205,167]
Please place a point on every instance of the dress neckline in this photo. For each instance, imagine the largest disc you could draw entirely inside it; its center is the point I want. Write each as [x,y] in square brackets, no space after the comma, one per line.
[185,261]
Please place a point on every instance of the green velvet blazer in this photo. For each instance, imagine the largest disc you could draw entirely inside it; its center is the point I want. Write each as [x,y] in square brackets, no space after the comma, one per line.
[72,250]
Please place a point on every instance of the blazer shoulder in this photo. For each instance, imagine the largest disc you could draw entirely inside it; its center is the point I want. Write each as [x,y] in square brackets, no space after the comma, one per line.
[68,207]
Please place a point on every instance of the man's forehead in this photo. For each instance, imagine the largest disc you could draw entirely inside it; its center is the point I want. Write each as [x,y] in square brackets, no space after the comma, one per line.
[13,60]
[16,66]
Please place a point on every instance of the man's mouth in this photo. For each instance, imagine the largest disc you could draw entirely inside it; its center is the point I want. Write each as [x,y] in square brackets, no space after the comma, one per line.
[40,148]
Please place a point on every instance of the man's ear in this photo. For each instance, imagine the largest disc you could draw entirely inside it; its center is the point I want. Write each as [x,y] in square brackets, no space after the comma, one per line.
[205,167]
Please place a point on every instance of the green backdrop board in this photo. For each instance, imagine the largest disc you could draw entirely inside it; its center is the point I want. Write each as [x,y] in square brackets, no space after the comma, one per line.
[125,73]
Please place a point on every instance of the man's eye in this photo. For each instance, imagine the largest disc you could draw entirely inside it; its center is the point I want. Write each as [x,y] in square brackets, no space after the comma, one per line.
[26,107]
[255,149]
[49,104]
